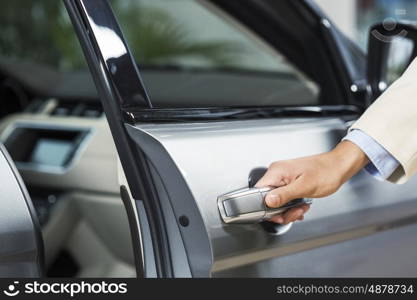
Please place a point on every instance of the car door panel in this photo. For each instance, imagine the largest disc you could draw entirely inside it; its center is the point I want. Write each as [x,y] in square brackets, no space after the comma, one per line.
[178,252]
[217,157]
[371,256]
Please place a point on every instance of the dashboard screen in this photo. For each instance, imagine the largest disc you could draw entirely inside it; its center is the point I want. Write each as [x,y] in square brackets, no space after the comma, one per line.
[51,152]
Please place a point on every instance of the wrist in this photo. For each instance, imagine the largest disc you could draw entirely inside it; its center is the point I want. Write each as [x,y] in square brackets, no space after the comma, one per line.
[350,159]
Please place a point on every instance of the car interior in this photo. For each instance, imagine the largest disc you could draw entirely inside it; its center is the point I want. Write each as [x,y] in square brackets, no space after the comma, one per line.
[52,122]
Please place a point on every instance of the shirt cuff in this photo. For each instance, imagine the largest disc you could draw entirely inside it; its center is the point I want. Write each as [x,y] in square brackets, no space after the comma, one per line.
[382,164]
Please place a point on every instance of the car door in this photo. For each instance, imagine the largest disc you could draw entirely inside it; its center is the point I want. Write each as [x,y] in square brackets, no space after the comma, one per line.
[179,159]
[21,246]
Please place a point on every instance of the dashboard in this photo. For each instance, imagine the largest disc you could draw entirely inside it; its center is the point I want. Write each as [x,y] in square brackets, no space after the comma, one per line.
[45,147]
[54,147]
[54,128]
[62,147]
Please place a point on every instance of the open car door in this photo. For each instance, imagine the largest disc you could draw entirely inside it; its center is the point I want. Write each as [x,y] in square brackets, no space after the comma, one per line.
[179,161]
[21,245]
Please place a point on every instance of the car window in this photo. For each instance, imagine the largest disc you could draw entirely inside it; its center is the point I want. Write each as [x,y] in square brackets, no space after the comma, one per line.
[203,58]
[189,54]
[194,49]
[39,32]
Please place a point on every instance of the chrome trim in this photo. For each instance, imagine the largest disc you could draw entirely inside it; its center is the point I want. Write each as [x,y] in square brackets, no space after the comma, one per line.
[257,198]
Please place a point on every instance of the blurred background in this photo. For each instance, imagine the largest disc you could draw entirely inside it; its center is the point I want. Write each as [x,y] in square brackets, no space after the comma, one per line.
[177,32]
[355,17]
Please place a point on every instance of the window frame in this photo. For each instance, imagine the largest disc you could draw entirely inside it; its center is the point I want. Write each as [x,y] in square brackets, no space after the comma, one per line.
[319,50]
[316,48]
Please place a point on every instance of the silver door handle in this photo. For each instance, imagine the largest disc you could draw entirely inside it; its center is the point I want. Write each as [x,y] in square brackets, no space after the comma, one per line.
[247,206]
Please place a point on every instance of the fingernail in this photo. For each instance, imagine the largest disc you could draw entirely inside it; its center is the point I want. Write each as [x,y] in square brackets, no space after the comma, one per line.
[272,200]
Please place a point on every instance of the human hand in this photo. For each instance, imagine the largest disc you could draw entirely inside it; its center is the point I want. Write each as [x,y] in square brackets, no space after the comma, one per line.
[314,176]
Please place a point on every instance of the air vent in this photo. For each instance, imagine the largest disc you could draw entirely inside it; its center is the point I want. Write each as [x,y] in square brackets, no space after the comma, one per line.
[78,109]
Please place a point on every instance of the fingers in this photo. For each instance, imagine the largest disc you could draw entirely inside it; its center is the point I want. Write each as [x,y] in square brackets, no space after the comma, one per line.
[291,215]
[270,179]
[290,184]
[277,219]
[276,176]
[295,214]
[285,194]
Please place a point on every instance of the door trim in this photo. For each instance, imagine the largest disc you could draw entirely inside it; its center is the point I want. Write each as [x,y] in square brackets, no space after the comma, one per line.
[90,19]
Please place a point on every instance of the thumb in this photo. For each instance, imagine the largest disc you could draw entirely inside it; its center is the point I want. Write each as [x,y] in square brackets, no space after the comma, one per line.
[283,195]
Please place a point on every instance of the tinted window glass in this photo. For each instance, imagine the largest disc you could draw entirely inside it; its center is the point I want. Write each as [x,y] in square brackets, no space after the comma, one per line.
[189,54]
[201,57]
[39,31]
